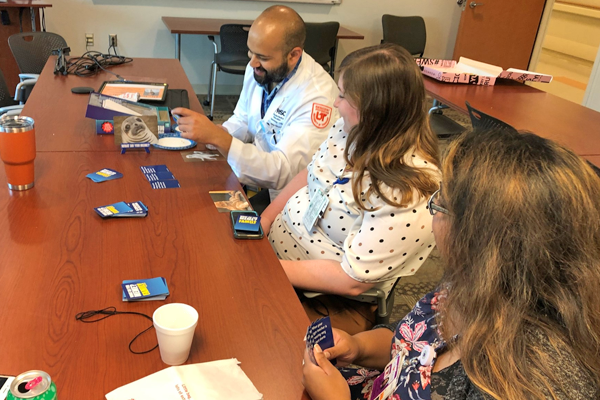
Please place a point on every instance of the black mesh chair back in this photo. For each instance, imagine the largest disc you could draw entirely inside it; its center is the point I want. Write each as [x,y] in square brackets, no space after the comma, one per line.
[482,121]
[320,42]
[408,32]
[5,97]
[233,56]
[32,49]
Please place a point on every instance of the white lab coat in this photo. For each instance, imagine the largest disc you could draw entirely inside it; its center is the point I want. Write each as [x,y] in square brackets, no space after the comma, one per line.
[268,152]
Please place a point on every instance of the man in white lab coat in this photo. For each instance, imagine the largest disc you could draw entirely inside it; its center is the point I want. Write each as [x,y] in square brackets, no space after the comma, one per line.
[285,109]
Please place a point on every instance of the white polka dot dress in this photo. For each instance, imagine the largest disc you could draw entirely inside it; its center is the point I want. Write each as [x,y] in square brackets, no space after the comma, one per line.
[378,245]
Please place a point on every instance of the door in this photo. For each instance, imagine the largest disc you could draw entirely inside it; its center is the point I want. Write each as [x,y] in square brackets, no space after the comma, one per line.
[499,32]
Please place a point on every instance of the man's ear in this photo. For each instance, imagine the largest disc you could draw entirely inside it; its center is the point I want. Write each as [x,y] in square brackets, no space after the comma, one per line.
[294,56]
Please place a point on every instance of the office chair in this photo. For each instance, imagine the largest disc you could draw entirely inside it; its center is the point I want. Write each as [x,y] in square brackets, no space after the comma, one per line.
[8,106]
[383,297]
[408,32]
[411,33]
[320,44]
[482,121]
[440,124]
[32,49]
[232,59]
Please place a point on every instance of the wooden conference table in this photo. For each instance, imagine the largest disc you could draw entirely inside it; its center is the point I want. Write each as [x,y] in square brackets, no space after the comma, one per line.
[527,108]
[58,258]
[209,26]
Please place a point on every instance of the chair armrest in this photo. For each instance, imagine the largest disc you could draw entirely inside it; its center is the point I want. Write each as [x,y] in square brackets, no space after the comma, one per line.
[21,88]
[311,295]
[212,39]
[23,77]
[11,110]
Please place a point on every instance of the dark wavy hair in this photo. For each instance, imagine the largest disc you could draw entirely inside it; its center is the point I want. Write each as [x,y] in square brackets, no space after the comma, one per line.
[523,261]
[384,83]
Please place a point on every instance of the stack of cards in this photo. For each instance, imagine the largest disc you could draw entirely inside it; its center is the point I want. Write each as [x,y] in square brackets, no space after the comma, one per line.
[160,177]
[247,222]
[319,332]
[145,289]
[123,210]
[105,174]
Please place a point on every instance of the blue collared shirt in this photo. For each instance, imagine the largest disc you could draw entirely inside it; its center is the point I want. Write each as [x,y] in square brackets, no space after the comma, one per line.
[267,97]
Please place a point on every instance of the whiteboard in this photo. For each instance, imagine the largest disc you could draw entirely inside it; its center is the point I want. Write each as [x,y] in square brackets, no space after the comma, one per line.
[330,2]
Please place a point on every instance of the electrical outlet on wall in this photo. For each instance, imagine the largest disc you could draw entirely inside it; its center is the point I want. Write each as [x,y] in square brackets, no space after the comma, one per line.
[89,39]
[112,40]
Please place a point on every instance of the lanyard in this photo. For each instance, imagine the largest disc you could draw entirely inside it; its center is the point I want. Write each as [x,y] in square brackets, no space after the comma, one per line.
[338,181]
[318,204]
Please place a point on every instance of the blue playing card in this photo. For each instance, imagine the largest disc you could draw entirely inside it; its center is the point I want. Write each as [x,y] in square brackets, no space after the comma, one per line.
[168,184]
[319,332]
[152,169]
[247,222]
[105,174]
[159,176]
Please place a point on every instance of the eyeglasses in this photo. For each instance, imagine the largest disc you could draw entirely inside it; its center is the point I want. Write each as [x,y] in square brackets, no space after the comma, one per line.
[434,208]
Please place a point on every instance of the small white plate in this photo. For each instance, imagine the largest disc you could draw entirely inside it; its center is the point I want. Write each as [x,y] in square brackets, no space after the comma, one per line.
[175,143]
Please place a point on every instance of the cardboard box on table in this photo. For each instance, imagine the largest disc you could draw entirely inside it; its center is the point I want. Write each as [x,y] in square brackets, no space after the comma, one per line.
[104,108]
[475,72]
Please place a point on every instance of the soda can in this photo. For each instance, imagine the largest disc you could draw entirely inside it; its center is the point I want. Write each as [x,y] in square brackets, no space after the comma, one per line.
[32,385]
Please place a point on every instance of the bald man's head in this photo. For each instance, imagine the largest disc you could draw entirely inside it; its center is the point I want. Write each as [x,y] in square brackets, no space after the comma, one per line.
[286,24]
[275,44]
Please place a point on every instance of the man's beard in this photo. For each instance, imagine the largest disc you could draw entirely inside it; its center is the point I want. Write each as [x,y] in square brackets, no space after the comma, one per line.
[275,76]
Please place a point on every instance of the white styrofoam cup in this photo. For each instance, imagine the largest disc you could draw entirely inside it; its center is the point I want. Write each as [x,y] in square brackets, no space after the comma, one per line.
[175,324]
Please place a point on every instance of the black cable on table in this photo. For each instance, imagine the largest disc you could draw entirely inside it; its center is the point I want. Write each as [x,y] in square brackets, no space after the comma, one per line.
[87,316]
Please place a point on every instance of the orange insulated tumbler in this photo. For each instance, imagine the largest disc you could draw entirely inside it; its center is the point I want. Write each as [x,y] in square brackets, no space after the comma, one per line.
[17,151]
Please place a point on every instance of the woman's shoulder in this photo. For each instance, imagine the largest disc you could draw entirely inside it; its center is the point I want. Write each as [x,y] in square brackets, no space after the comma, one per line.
[574,381]
[414,159]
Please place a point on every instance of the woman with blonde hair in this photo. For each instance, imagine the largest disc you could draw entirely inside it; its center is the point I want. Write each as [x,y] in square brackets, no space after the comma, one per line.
[517,315]
[357,217]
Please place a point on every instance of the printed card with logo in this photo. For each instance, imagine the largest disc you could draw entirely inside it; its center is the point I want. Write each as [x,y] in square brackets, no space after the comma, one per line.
[145,289]
[105,174]
[247,223]
[122,210]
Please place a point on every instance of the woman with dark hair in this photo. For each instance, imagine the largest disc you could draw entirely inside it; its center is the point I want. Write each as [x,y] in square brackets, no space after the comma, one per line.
[356,217]
[517,315]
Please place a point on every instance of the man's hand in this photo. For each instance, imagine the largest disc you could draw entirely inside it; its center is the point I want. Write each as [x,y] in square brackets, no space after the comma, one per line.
[199,128]
[323,381]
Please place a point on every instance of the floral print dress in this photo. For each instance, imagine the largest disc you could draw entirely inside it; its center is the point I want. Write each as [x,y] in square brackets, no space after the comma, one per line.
[416,332]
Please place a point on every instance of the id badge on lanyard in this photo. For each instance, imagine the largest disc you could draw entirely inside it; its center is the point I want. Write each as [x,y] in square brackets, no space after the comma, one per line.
[386,383]
[316,208]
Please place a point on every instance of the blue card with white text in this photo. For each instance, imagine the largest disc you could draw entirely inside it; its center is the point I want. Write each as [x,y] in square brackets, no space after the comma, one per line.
[152,169]
[247,222]
[319,332]
[159,176]
[169,184]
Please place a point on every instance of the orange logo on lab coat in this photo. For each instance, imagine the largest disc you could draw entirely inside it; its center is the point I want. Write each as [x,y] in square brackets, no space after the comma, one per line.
[320,115]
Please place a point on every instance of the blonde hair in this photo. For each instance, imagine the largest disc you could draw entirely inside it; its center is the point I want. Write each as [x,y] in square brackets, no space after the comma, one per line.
[384,83]
[523,262]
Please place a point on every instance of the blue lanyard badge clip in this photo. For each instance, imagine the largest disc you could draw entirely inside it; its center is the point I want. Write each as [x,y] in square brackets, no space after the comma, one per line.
[318,204]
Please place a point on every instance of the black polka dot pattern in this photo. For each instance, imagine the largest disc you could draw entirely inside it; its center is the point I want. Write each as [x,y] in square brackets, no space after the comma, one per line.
[374,246]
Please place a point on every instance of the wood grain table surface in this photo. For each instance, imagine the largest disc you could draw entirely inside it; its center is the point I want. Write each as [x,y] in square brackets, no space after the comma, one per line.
[25,3]
[59,258]
[527,108]
[59,115]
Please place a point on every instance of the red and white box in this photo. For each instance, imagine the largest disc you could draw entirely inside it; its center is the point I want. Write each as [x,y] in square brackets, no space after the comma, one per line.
[475,72]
